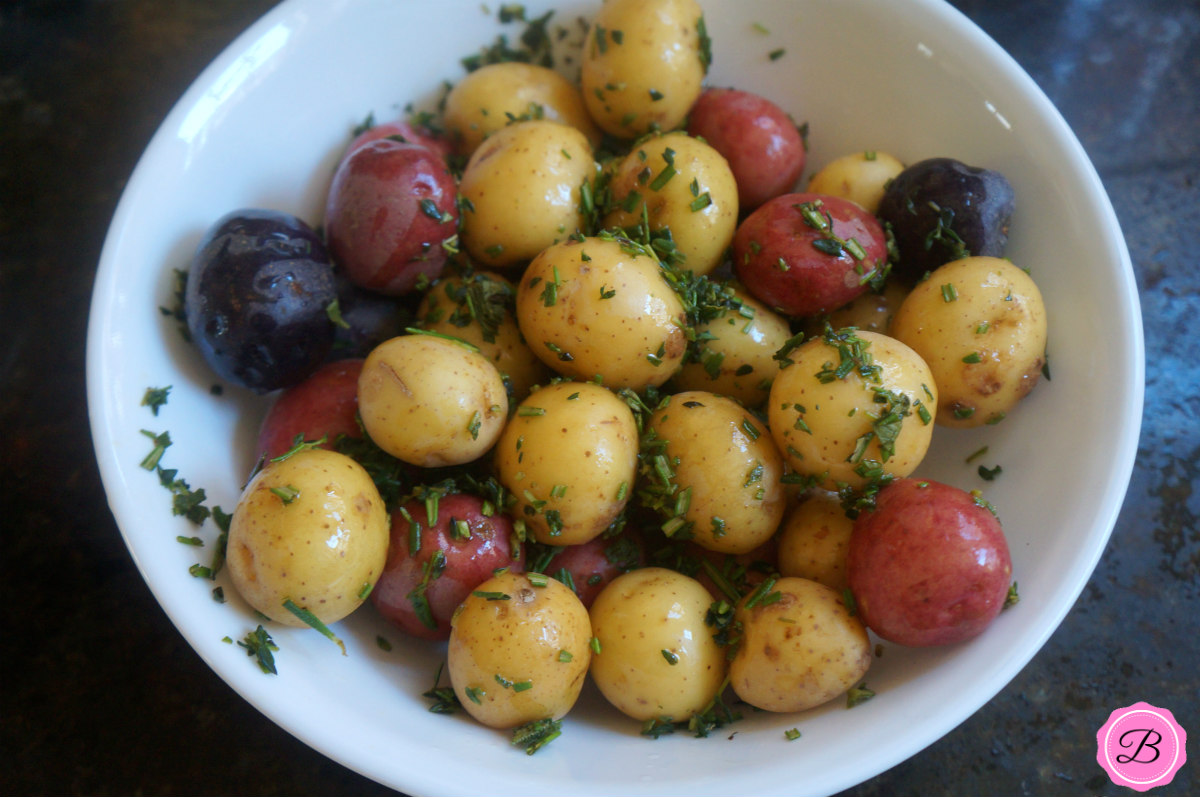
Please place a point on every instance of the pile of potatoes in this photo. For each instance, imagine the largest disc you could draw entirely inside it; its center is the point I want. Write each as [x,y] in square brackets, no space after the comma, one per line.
[632,324]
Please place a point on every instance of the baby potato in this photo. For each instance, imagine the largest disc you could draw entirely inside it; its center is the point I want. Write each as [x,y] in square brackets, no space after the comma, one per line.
[851,404]
[643,63]
[599,307]
[569,456]
[520,191]
[684,185]
[657,658]
[980,324]
[726,463]
[861,177]
[814,538]
[492,96]
[310,529]
[873,311]
[431,402]
[799,649]
[737,357]
[519,650]
[481,309]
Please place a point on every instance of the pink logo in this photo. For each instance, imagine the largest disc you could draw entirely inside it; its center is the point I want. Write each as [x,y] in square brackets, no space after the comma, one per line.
[1141,746]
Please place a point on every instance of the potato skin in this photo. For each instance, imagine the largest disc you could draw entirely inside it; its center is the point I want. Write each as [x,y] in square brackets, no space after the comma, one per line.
[323,549]
[861,177]
[761,142]
[799,651]
[819,421]
[980,324]
[643,63]
[727,461]
[590,308]
[323,405]
[480,104]
[701,228]
[521,191]
[431,402]
[466,562]
[521,658]
[643,619]
[569,456]
[447,308]
[929,565]
[738,357]
[814,539]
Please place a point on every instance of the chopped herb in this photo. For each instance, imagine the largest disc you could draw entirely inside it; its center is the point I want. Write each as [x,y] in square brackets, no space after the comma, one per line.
[700,202]
[443,697]
[594,643]
[287,493]
[1012,598]
[671,657]
[383,644]
[474,425]
[858,695]
[533,736]
[474,693]
[775,55]
[949,292]
[989,474]
[161,443]
[791,734]
[565,656]
[973,357]
[311,620]
[430,570]
[155,397]
[258,643]
[491,596]
[530,412]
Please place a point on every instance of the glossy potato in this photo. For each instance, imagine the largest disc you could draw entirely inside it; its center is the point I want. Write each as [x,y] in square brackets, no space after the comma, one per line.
[799,650]
[310,529]
[519,650]
[481,309]
[569,456]
[737,354]
[980,324]
[861,177]
[685,186]
[657,657]
[814,538]
[598,308]
[489,98]
[726,463]
[520,191]
[643,63]
[851,403]
[431,402]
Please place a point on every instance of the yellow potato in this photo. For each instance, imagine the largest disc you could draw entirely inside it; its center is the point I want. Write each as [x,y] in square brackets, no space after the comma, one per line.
[872,311]
[980,324]
[814,538]
[310,529]
[850,405]
[643,63]
[657,658]
[481,309]
[520,191]
[861,177]
[798,650]
[569,457]
[725,464]
[519,650]
[430,401]
[681,184]
[738,357]
[598,308]
[494,95]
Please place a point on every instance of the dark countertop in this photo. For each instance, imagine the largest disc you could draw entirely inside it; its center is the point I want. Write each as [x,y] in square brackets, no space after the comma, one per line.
[101,695]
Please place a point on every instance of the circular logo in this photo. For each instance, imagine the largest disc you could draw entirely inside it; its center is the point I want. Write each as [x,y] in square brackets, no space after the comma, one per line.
[1141,746]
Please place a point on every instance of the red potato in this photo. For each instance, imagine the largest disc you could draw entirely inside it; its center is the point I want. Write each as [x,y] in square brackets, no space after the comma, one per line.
[323,405]
[389,208]
[403,129]
[929,565]
[804,254]
[591,565]
[417,595]
[761,142]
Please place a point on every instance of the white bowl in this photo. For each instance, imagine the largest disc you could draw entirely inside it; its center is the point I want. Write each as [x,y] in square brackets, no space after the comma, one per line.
[263,126]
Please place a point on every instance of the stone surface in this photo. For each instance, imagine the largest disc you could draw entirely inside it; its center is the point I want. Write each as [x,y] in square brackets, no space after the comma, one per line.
[101,695]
